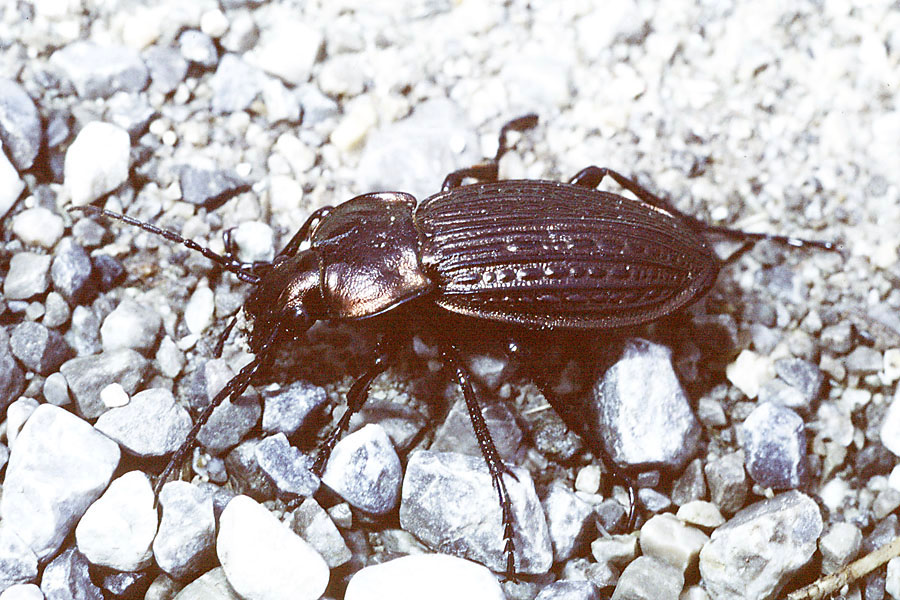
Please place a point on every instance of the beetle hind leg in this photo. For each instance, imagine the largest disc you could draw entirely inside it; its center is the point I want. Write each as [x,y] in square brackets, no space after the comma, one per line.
[487,172]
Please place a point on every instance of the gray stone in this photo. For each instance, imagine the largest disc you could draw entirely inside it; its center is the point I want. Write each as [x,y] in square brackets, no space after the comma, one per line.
[18,564]
[647,578]
[401,422]
[67,577]
[28,276]
[88,375]
[117,530]
[232,419]
[568,520]
[263,559]
[209,187]
[20,125]
[167,67]
[286,466]
[187,530]
[752,555]
[644,417]
[449,503]
[839,546]
[569,590]
[100,71]
[864,361]
[313,524]
[128,425]
[801,375]
[12,379]
[131,325]
[131,112]
[129,584]
[40,349]
[691,485]
[84,334]
[108,270]
[774,443]
[59,466]
[235,84]
[285,409]
[838,338]
[364,470]
[456,433]
[434,576]
[728,484]
[245,473]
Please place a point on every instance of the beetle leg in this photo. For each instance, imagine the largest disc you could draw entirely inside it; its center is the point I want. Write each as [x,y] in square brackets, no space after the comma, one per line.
[304,233]
[496,467]
[356,397]
[592,176]
[486,172]
[258,267]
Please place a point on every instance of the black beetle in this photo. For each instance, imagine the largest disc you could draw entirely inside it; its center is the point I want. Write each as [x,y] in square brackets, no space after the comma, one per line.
[531,254]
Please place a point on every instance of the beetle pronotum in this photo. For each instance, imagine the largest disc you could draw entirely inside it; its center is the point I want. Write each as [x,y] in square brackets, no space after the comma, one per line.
[526,253]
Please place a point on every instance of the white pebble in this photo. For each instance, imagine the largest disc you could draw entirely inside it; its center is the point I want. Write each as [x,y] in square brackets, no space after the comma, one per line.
[263,559]
[114,395]
[10,184]
[432,576]
[255,241]
[38,226]
[891,365]
[22,591]
[287,49]
[96,162]
[749,371]
[214,23]
[700,513]
[665,537]
[198,314]
[588,479]
[355,125]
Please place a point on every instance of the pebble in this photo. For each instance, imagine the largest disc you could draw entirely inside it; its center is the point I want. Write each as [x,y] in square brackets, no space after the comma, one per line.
[166,66]
[242,33]
[838,338]
[288,48]
[892,578]
[11,186]
[68,576]
[20,564]
[752,555]
[235,85]
[568,590]
[288,468]
[232,419]
[40,349]
[118,528]
[749,372]
[700,513]
[14,380]
[187,530]
[801,375]
[615,550]
[648,578]
[864,360]
[774,444]
[28,276]
[313,524]
[209,187]
[728,484]
[263,559]
[644,417]
[59,466]
[456,433]
[433,576]
[359,119]
[244,472]
[667,538]
[170,358]
[16,415]
[198,314]
[88,375]
[20,125]
[449,503]
[212,585]
[255,241]
[281,103]
[127,425]
[84,334]
[568,519]
[96,162]
[38,226]
[364,470]
[691,485]
[286,409]
[839,546]
[131,112]
[57,310]
[198,48]
[588,479]
[413,154]
[100,71]
[108,270]
[22,591]
[129,584]
[132,325]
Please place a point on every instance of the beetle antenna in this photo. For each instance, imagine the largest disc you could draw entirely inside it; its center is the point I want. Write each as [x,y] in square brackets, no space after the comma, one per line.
[229,264]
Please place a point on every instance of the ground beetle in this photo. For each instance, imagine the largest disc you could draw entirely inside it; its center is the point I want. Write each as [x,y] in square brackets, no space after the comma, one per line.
[536,255]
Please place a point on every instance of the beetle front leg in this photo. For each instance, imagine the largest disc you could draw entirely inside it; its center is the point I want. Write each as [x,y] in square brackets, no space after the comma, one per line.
[496,466]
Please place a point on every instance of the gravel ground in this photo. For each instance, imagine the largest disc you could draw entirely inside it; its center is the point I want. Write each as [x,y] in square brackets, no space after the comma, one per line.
[206,116]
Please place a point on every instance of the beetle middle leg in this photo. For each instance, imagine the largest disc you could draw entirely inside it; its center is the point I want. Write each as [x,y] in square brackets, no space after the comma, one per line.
[488,171]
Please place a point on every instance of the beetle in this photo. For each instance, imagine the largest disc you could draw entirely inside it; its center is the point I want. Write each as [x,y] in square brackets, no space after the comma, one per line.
[529,254]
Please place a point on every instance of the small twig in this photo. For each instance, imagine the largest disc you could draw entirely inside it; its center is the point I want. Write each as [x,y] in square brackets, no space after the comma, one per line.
[856,570]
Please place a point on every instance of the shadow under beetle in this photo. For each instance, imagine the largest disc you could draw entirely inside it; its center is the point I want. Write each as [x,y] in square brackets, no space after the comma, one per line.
[534,255]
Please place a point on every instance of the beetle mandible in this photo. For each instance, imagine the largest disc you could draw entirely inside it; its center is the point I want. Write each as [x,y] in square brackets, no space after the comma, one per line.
[531,254]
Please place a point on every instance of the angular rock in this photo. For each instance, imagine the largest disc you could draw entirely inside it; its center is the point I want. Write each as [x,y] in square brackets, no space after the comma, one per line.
[314,525]
[96,162]
[212,585]
[18,564]
[27,276]
[12,379]
[100,71]
[449,503]
[187,530]
[232,419]
[68,577]
[38,226]
[288,468]
[263,559]
[209,187]
[20,124]
[774,443]
[648,578]
[665,537]
[40,349]
[432,576]
[87,376]
[752,555]
[131,325]
[728,484]
[58,467]
[167,68]
[364,470]
[11,185]
[643,415]
[568,520]
[128,425]
[287,408]
[569,590]
[71,272]
[456,433]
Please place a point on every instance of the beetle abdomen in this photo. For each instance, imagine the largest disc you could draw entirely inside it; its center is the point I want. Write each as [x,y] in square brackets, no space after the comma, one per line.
[546,254]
